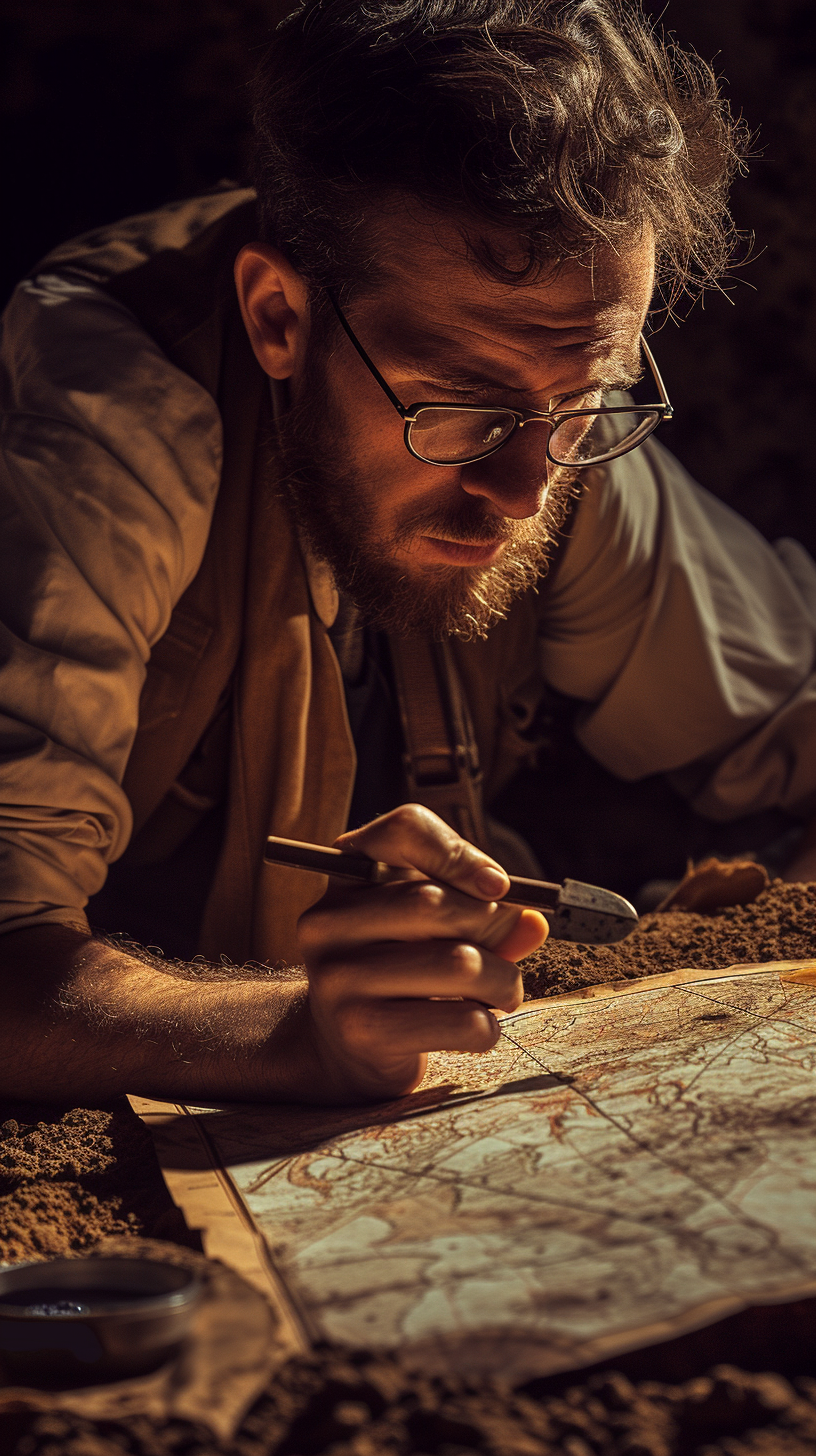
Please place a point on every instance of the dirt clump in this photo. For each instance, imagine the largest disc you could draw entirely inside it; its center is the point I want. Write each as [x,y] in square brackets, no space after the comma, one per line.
[53,1221]
[780,925]
[84,1146]
[361,1405]
[70,1177]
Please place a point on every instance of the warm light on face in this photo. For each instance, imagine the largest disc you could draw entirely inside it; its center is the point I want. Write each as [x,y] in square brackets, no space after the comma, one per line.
[434,516]
[593,431]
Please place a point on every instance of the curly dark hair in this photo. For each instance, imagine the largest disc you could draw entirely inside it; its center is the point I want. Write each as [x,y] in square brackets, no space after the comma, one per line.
[566,122]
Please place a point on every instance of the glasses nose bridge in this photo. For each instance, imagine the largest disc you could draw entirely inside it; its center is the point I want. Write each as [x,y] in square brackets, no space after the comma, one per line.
[538,417]
[520,419]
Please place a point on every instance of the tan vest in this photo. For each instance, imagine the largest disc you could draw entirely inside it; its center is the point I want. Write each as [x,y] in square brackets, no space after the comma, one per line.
[249,611]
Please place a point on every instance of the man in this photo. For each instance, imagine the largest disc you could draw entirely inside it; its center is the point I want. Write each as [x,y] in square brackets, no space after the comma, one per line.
[238,555]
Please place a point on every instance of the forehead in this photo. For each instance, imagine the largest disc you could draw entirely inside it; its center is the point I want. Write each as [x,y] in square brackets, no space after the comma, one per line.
[430,284]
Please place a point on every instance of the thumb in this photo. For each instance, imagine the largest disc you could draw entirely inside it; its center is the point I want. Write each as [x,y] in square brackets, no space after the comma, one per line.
[529,932]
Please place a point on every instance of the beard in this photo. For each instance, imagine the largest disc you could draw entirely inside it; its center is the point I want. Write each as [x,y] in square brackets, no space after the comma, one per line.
[331,506]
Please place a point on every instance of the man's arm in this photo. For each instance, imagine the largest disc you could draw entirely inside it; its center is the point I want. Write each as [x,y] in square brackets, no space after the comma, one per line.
[109,470]
[82,1020]
[690,640]
[394,972]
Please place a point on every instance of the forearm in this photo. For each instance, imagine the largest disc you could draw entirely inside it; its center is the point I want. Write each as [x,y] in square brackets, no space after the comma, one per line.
[81,1019]
[394,971]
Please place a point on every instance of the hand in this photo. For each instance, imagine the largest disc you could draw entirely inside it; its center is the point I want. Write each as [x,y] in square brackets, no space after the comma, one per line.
[399,970]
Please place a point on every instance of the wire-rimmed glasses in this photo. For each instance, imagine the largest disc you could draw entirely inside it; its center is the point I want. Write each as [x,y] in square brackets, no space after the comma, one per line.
[459,434]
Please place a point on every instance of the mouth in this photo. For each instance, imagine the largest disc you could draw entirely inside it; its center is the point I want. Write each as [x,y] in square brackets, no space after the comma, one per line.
[438,549]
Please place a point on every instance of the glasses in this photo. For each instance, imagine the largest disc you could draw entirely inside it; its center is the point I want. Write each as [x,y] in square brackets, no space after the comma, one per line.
[459,434]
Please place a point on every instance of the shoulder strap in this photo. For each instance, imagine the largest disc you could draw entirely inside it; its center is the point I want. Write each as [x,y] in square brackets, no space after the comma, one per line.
[441,757]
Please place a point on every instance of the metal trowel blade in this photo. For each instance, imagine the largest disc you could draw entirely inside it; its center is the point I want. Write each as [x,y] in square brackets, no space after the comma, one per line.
[590,914]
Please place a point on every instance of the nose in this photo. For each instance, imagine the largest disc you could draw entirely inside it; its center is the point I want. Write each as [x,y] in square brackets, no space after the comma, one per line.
[514,479]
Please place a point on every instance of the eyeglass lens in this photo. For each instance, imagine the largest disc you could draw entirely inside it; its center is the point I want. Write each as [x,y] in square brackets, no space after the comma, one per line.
[445,436]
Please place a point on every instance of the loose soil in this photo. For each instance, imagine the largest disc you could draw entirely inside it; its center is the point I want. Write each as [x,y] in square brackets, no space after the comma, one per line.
[69,1177]
[780,925]
[360,1406]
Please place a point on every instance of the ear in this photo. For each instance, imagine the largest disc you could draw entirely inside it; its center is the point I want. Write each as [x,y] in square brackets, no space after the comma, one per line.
[274,301]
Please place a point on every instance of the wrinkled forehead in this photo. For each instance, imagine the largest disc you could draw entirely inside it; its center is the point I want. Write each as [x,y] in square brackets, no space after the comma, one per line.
[427,269]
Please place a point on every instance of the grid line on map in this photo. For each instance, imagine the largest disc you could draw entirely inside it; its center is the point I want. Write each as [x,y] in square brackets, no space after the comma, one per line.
[746,1011]
[458,1180]
[747,1219]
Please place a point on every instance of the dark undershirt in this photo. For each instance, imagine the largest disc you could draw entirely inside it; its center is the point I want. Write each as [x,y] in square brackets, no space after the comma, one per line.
[373,714]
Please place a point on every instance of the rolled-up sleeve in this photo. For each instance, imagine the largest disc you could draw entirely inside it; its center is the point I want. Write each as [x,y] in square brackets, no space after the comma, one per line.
[690,640]
[109,471]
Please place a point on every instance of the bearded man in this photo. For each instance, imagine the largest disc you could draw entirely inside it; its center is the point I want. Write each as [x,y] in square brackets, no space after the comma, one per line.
[306,555]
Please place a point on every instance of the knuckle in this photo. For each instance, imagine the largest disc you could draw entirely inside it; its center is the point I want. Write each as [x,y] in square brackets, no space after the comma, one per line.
[409,814]
[426,894]
[512,992]
[481,1031]
[417,822]
[467,961]
[308,938]
[457,856]
[329,976]
[311,924]
[333,920]
[355,1023]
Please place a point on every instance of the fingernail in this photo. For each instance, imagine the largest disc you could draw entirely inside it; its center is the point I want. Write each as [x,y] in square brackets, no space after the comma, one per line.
[490,881]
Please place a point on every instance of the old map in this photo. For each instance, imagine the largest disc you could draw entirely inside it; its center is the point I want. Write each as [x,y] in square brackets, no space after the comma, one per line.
[620,1168]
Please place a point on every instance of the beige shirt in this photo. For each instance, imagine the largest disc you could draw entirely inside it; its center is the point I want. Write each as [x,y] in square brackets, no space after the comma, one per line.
[690,640]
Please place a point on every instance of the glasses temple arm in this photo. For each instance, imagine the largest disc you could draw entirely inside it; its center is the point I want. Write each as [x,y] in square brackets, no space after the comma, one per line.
[658,378]
[370,365]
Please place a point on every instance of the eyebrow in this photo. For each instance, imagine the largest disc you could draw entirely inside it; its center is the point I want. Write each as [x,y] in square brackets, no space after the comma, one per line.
[432,356]
[429,354]
[434,367]
[465,379]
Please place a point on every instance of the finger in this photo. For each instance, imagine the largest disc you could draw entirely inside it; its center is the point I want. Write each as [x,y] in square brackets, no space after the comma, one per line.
[529,932]
[384,1032]
[443,968]
[405,910]
[412,837]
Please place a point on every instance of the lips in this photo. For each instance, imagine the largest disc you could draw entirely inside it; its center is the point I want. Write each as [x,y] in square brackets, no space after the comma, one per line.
[459,553]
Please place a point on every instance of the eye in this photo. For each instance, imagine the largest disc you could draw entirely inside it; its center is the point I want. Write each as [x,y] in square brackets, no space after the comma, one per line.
[493,434]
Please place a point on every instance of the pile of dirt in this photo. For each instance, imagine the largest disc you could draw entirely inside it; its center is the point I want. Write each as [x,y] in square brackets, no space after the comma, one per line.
[780,925]
[366,1406]
[84,1146]
[69,1178]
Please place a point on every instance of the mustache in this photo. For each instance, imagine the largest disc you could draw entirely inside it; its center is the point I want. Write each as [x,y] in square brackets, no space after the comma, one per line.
[470,523]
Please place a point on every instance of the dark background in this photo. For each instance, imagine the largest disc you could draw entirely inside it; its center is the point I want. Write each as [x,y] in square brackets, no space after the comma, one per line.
[111,108]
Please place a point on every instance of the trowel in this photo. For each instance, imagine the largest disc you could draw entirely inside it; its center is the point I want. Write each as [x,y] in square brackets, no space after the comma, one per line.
[574,911]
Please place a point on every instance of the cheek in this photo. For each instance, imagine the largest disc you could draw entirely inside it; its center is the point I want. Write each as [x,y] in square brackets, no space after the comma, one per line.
[367,436]
[367,431]
[392,481]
